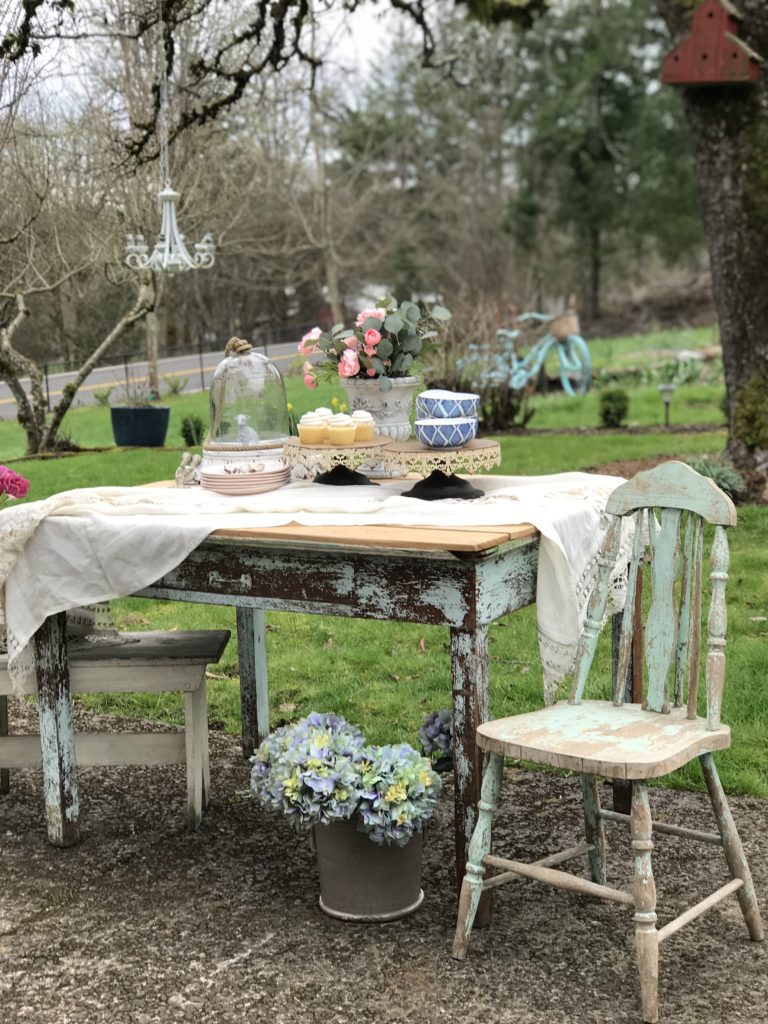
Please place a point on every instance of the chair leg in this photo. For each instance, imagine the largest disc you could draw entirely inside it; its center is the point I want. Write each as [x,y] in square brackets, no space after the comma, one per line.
[644,889]
[593,828]
[479,847]
[734,851]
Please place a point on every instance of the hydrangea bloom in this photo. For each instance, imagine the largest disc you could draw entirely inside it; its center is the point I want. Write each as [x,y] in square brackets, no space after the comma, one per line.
[436,733]
[309,770]
[399,793]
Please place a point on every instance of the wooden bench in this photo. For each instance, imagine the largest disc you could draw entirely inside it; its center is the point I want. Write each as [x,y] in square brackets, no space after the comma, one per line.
[153,662]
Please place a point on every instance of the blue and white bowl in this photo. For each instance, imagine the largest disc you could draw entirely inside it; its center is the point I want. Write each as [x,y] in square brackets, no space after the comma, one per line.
[438,404]
[446,432]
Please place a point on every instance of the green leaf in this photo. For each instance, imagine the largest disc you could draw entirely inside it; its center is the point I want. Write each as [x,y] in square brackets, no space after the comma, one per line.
[394,323]
[440,313]
[346,334]
[407,361]
[336,328]
[385,384]
[371,323]
[385,348]
[412,345]
[378,365]
[412,313]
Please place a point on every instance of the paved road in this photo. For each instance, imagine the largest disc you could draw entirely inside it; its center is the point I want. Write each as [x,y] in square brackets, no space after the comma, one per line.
[197,367]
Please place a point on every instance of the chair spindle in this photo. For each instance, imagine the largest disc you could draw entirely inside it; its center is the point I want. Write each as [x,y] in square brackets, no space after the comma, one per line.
[628,617]
[716,628]
[661,625]
[694,645]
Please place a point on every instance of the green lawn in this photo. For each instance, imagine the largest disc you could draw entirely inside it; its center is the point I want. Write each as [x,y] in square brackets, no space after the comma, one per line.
[385,677]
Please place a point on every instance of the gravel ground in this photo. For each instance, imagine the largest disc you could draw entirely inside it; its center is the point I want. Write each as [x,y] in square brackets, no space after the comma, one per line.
[145,922]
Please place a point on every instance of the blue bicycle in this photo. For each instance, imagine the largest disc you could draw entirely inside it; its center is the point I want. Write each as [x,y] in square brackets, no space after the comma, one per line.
[560,331]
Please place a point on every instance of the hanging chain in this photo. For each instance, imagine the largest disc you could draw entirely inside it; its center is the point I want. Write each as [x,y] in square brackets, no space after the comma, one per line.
[162,118]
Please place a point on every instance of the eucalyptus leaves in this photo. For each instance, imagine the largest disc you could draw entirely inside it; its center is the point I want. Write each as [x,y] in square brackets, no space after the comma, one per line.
[320,770]
[386,342]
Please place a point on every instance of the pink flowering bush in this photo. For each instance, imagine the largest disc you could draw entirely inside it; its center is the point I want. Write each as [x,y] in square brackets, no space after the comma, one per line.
[11,485]
[386,342]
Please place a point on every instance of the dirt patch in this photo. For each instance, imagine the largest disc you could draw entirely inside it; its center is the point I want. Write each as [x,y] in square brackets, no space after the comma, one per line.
[147,923]
[628,467]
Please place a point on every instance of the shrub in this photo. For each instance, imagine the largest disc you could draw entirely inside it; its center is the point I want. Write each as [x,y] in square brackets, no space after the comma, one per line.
[723,472]
[750,419]
[175,385]
[101,397]
[614,406]
[193,431]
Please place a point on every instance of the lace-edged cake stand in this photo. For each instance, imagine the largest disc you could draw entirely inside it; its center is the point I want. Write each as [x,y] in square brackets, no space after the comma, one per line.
[335,464]
[439,466]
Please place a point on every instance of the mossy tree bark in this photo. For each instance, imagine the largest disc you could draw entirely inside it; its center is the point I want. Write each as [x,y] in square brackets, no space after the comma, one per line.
[729,134]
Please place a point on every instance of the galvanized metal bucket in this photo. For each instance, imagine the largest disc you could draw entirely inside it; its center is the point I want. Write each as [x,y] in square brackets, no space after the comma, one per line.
[362,881]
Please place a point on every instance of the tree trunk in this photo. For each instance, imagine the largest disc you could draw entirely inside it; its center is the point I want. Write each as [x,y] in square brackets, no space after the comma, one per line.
[729,133]
[152,326]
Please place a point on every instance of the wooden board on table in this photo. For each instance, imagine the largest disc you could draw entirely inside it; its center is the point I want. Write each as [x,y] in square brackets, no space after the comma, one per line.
[417,538]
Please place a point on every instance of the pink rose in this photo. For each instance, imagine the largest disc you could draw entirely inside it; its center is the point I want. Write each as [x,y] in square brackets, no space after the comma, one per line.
[372,338]
[310,379]
[370,372]
[12,484]
[349,364]
[353,342]
[376,314]
[305,345]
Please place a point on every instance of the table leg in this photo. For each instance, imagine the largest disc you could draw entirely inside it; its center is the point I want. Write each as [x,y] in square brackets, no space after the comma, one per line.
[469,678]
[254,682]
[5,778]
[57,732]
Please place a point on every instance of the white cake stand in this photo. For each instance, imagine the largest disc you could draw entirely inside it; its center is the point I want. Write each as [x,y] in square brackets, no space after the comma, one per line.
[332,463]
[440,465]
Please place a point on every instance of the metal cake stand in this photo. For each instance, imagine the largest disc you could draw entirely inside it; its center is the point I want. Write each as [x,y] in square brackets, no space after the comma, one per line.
[332,463]
[440,465]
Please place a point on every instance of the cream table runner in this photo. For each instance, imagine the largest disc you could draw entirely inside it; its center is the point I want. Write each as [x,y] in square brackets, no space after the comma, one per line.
[89,545]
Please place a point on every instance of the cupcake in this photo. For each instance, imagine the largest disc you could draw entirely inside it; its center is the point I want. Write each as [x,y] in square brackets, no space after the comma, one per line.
[341,429]
[311,428]
[324,413]
[364,425]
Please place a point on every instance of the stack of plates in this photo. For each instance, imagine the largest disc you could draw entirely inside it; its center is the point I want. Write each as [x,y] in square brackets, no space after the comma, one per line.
[246,483]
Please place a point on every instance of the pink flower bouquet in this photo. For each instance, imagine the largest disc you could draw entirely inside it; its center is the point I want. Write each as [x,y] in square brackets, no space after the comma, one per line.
[11,485]
[385,343]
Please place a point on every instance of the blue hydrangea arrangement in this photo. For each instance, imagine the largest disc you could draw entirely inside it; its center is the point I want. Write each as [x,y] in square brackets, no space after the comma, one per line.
[319,770]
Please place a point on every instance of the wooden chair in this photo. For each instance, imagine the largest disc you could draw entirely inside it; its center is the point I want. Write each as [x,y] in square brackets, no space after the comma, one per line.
[632,741]
[151,662]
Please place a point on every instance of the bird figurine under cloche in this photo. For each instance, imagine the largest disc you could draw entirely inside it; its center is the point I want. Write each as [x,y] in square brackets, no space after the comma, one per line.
[243,453]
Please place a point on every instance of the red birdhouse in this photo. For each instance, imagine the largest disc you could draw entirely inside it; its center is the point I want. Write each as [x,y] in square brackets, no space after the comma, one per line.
[712,54]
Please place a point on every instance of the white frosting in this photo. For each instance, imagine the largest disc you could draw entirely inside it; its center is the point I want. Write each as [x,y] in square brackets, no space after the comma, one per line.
[311,419]
[341,420]
[323,412]
[361,416]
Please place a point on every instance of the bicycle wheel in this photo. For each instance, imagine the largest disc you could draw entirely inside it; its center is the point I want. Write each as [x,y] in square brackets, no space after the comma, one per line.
[575,365]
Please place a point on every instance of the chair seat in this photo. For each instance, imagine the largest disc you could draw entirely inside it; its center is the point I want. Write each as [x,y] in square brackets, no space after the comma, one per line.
[599,738]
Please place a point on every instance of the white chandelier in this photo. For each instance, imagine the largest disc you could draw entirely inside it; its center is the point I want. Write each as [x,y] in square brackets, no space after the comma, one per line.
[170,254]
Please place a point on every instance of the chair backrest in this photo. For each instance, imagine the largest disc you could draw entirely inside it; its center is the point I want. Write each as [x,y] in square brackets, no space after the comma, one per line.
[669,505]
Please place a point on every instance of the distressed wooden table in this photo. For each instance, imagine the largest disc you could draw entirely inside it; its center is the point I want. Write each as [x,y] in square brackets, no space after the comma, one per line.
[462,578]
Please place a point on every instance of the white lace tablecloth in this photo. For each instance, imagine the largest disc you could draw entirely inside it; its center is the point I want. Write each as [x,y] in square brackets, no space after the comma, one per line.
[84,546]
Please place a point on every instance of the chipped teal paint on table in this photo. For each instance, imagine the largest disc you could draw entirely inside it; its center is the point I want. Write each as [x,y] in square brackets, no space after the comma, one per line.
[460,578]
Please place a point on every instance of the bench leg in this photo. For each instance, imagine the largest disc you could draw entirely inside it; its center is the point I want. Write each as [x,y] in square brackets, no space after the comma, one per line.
[198,770]
[254,682]
[57,732]
[5,778]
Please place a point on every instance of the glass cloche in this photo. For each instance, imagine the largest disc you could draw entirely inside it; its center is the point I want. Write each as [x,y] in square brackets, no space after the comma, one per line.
[247,402]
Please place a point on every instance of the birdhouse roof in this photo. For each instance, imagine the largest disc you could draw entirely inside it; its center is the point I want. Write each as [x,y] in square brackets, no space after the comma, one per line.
[731,9]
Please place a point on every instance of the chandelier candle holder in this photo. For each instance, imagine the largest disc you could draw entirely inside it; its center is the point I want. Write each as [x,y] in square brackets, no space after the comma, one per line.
[170,254]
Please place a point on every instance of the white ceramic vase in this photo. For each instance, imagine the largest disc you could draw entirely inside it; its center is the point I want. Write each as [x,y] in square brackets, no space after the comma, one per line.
[391,409]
